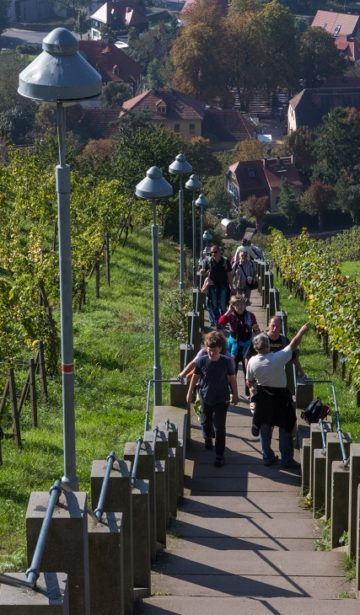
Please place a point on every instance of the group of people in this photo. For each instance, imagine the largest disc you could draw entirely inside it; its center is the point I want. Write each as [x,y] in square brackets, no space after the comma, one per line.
[263,357]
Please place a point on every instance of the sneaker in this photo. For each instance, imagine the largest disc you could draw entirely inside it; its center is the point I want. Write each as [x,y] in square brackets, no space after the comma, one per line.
[208,444]
[295,465]
[219,462]
[252,407]
[270,462]
[255,430]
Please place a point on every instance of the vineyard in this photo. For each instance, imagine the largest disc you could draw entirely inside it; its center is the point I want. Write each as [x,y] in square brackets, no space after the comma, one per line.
[311,270]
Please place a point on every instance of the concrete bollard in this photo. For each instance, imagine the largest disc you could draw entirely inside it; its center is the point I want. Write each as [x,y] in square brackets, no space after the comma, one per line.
[283,315]
[354,468]
[316,443]
[198,305]
[66,547]
[50,597]
[187,354]
[173,484]
[305,466]
[146,470]
[333,453]
[179,418]
[304,394]
[339,501]
[357,579]
[178,394]
[290,379]
[161,493]
[118,499]
[318,482]
[161,454]
[106,564]
[268,283]
[196,334]
[142,546]
[274,301]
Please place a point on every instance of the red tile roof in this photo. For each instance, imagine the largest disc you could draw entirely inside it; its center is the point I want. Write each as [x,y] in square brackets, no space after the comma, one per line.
[112,63]
[259,176]
[336,23]
[179,106]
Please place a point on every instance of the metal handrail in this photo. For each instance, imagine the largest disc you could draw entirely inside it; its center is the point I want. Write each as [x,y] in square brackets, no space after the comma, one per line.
[339,432]
[135,463]
[149,384]
[32,573]
[323,436]
[99,510]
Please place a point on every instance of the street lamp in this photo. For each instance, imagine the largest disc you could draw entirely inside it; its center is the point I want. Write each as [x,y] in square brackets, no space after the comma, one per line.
[194,184]
[152,188]
[60,75]
[202,203]
[181,167]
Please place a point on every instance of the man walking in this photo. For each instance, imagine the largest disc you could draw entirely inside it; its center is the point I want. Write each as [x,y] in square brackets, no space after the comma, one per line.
[219,271]
[273,399]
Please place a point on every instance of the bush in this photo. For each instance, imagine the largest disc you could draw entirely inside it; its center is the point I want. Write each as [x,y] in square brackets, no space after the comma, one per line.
[173,317]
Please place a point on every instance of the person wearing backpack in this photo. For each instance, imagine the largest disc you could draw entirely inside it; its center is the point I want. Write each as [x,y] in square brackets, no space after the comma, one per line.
[244,275]
[220,276]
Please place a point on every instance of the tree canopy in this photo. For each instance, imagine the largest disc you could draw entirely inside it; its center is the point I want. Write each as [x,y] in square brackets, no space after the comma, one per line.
[319,57]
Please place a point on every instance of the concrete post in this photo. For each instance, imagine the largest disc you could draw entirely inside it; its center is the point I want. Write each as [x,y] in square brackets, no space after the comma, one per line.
[161,492]
[142,547]
[50,597]
[357,580]
[354,467]
[305,466]
[290,380]
[268,283]
[274,301]
[283,316]
[161,454]
[118,499]
[66,546]
[198,305]
[178,417]
[339,501]
[146,470]
[173,482]
[304,394]
[333,453]
[187,353]
[106,563]
[315,443]
[178,393]
[318,482]
[197,338]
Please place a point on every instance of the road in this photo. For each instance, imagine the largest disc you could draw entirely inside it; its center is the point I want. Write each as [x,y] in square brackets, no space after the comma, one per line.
[12,37]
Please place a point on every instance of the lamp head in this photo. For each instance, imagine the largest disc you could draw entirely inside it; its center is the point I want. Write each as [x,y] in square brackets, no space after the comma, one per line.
[153,186]
[193,183]
[180,166]
[202,201]
[60,73]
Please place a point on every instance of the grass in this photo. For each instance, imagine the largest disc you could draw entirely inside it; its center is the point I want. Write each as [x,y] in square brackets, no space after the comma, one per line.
[351,268]
[317,365]
[113,360]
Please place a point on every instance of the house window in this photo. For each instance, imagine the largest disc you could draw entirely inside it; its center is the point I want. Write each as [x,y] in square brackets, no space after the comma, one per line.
[337,30]
[176,127]
[192,129]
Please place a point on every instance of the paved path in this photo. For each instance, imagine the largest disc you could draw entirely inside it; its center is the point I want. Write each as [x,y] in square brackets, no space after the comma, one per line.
[241,544]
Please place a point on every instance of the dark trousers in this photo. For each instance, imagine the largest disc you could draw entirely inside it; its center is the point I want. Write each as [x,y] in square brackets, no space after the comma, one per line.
[214,416]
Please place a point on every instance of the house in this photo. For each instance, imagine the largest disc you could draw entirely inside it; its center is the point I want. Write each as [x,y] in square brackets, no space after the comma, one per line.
[226,127]
[309,106]
[261,178]
[169,109]
[343,27]
[112,63]
[119,15]
[29,10]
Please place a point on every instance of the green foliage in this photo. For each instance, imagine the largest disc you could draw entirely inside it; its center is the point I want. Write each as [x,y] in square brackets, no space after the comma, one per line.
[350,567]
[288,203]
[324,542]
[114,94]
[319,57]
[173,315]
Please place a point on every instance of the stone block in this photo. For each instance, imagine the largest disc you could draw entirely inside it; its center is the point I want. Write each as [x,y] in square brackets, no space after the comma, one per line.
[339,502]
[318,482]
[66,547]
[162,508]
[354,468]
[304,394]
[51,596]
[305,466]
[141,526]
[333,453]
[316,442]
[178,394]
[357,555]
[106,564]
[194,335]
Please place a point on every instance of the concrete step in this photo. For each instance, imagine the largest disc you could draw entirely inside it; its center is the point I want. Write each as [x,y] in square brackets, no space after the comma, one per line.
[219,542]
[234,505]
[174,605]
[240,485]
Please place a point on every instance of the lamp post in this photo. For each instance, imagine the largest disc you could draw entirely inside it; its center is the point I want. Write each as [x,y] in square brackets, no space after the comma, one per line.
[181,167]
[151,188]
[194,184]
[61,75]
[202,203]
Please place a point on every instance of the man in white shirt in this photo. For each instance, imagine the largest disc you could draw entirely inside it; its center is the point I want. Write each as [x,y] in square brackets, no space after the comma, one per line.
[266,371]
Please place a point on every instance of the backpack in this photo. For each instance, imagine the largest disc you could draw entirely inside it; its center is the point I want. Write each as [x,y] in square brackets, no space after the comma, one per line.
[315,411]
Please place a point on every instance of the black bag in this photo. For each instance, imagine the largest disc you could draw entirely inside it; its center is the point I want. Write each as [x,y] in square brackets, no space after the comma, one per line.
[316,411]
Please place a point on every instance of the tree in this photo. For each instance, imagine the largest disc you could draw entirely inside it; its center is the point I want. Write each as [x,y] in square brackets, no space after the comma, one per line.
[203,159]
[250,149]
[4,8]
[348,198]
[114,94]
[288,203]
[319,58]
[244,6]
[257,207]
[15,124]
[318,199]
[206,12]
[300,144]
[81,22]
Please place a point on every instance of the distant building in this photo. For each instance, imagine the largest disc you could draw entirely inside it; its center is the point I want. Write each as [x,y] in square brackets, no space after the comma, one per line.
[112,63]
[119,15]
[261,178]
[29,10]
[343,27]
[169,109]
[311,104]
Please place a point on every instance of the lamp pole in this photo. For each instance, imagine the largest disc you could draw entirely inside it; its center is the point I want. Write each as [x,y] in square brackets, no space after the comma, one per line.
[58,75]
[181,167]
[152,188]
[202,203]
[194,184]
